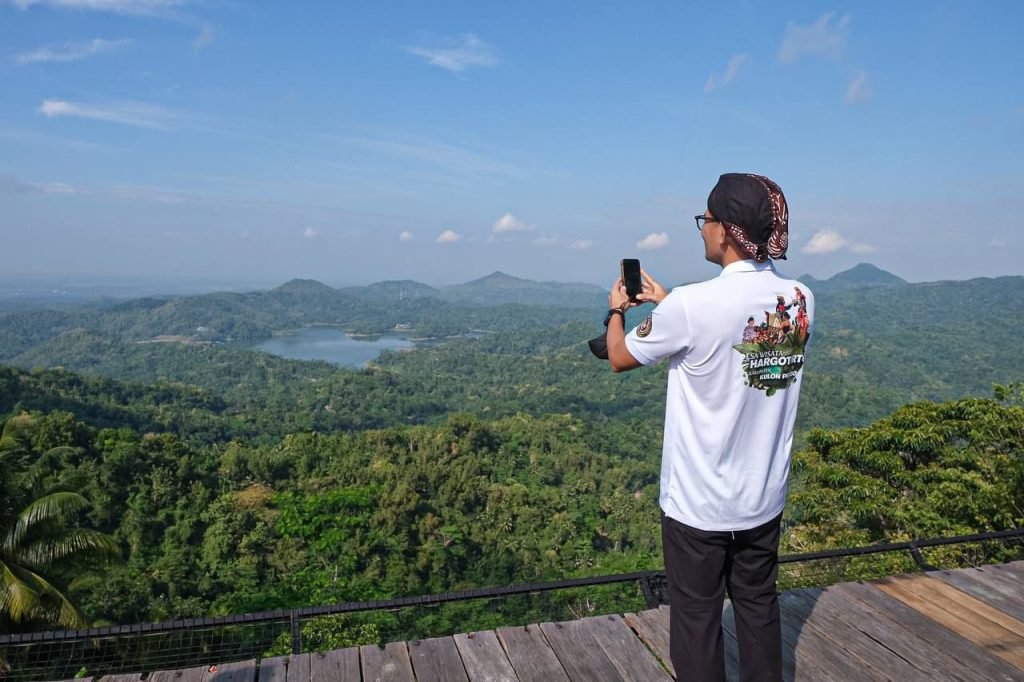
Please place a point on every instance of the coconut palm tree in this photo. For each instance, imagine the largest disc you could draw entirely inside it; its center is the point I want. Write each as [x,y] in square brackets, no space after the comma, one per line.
[37,539]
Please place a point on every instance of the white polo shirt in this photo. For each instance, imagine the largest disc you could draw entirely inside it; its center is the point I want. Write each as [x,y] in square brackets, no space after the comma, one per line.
[733,387]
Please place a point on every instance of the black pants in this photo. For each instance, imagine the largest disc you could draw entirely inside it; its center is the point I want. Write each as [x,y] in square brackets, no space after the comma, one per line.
[701,567]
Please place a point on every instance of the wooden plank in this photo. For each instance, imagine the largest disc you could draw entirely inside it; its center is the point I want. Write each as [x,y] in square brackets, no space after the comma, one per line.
[183,675]
[652,629]
[1013,570]
[340,665]
[905,641]
[956,614]
[628,654]
[814,657]
[483,657]
[933,638]
[274,669]
[390,664]
[530,654]
[580,654]
[298,668]
[437,660]
[236,671]
[830,616]
[995,575]
[130,677]
[981,585]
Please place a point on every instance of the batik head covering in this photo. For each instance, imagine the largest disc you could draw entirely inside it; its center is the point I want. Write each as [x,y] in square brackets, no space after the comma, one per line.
[754,212]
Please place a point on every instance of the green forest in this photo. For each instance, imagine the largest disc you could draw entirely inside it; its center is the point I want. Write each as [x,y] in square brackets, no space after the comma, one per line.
[153,481]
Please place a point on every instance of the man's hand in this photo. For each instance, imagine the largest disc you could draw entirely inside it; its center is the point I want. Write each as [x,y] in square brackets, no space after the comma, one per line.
[618,298]
[619,357]
[652,292]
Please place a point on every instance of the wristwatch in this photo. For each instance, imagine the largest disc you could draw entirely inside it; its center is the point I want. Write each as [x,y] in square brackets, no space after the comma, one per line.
[614,311]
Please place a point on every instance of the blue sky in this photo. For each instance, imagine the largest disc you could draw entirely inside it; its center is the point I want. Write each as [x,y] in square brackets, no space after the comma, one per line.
[355,142]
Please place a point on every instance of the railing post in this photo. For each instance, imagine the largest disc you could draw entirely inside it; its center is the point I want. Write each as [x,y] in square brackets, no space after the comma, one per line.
[296,634]
[915,552]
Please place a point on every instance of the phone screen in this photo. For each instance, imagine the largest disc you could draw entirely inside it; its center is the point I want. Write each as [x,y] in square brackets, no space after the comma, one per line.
[631,276]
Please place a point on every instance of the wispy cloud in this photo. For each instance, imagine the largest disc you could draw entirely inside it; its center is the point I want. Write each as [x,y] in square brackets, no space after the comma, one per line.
[823,38]
[655,240]
[311,233]
[545,240]
[456,54]
[858,90]
[71,52]
[997,243]
[581,244]
[510,223]
[450,157]
[405,236]
[829,241]
[731,69]
[12,184]
[206,36]
[136,7]
[448,237]
[168,10]
[135,114]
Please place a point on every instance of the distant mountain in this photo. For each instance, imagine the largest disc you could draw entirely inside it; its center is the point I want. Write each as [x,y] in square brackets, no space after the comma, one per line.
[397,290]
[304,287]
[858,277]
[499,287]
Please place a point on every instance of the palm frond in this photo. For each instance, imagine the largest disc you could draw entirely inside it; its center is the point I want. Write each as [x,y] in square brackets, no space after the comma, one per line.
[51,604]
[74,542]
[18,599]
[52,506]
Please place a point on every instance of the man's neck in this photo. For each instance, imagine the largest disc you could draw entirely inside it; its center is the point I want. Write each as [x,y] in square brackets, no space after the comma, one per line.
[731,256]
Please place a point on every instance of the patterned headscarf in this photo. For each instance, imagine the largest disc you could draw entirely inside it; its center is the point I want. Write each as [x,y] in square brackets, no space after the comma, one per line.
[754,212]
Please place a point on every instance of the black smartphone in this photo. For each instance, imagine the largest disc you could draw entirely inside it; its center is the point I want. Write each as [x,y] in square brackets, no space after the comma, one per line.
[631,277]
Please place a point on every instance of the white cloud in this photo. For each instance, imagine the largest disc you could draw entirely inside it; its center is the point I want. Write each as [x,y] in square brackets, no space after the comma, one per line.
[545,240]
[71,52]
[830,241]
[823,38]
[581,244]
[510,223]
[448,237]
[126,113]
[825,241]
[457,54]
[310,233]
[997,243]
[858,90]
[405,236]
[655,240]
[731,69]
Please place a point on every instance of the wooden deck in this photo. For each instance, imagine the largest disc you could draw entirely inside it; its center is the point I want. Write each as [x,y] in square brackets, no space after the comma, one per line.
[966,625]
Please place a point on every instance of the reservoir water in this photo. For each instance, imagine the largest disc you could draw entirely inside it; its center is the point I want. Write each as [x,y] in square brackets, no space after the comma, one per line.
[332,345]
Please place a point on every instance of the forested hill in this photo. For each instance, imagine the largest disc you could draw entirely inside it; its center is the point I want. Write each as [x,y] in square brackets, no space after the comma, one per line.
[874,349]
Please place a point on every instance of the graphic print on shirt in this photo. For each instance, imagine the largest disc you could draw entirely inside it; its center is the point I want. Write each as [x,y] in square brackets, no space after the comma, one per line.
[773,350]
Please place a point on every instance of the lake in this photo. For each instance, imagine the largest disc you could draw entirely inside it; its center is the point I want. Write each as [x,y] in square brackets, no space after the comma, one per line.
[332,345]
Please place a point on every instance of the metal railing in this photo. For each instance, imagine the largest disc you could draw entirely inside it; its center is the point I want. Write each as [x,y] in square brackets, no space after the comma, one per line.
[195,641]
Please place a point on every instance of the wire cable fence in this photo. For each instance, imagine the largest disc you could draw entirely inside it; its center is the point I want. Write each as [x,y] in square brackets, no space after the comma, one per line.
[147,647]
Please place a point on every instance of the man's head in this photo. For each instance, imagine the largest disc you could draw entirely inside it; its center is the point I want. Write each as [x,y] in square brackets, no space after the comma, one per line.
[747,217]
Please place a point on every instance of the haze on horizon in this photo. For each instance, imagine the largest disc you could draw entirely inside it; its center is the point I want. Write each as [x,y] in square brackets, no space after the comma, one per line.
[192,139]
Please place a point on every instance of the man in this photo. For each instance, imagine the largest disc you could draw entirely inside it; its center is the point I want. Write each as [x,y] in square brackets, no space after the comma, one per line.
[729,420]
